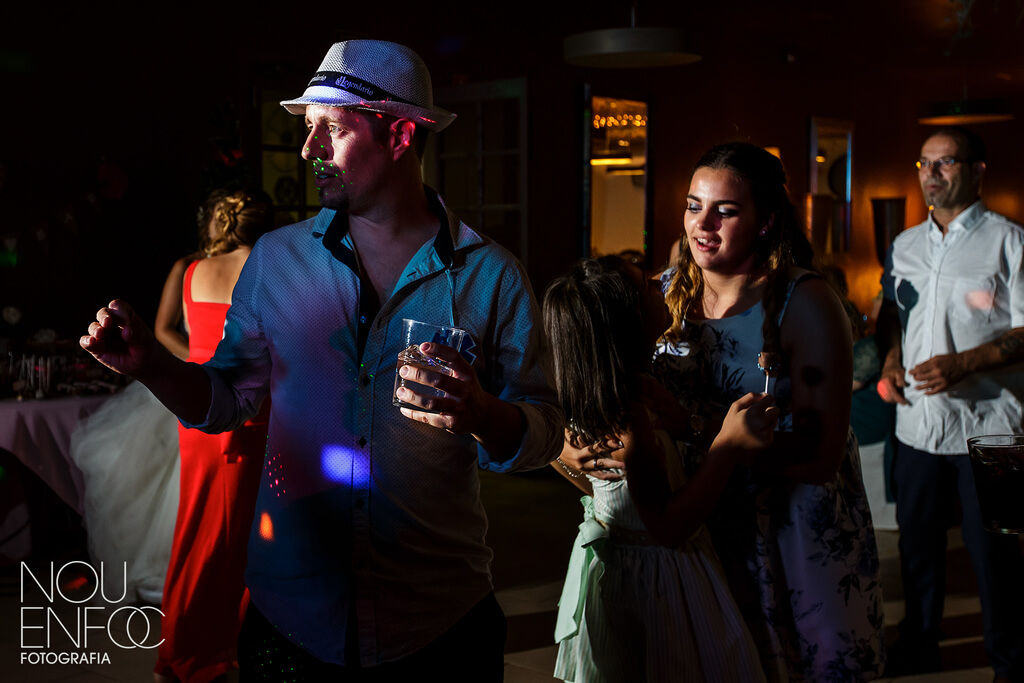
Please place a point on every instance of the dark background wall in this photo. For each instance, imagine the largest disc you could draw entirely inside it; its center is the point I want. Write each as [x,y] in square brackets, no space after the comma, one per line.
[116,123]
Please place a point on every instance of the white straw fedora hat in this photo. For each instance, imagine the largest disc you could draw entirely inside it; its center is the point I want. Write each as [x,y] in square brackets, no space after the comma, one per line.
[377,76]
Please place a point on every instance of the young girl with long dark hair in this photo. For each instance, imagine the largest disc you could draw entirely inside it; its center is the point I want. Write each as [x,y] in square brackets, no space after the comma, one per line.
[645,598]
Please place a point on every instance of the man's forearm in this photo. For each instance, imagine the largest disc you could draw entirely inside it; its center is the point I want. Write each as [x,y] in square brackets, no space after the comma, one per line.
[893,358]
[182,387]
[173,340]
[888,335]
[1005,350]
[502,432]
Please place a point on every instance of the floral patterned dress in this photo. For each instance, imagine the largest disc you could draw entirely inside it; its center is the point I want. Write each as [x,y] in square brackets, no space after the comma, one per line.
[800,559]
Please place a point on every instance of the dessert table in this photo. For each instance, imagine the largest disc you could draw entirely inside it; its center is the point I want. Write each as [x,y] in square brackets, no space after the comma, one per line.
[38,433]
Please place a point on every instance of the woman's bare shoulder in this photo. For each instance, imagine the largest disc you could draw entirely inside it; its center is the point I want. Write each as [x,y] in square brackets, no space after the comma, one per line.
[810,288]
[178,267]
[221,263]
[814,312]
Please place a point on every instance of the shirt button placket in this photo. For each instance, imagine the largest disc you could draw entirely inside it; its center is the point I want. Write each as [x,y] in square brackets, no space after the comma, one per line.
[361,466]
[937,322]
[938,255]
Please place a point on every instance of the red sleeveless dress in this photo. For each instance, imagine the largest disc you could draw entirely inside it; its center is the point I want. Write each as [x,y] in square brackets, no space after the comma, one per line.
[204,594]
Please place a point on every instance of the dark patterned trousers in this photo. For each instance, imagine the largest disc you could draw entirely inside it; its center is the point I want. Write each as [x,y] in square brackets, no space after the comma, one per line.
[927,487]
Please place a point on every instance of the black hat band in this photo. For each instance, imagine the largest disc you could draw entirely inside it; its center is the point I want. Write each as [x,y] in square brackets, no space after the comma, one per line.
[357,86]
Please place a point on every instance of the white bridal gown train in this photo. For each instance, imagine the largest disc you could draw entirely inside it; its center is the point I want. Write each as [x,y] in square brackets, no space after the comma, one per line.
[128,453]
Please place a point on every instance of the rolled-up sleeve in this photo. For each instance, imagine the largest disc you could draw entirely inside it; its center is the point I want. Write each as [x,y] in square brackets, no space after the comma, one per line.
[1015,280]
[521,375]
[239,371]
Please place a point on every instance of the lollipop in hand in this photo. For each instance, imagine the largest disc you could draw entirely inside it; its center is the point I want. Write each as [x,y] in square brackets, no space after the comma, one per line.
[769,362]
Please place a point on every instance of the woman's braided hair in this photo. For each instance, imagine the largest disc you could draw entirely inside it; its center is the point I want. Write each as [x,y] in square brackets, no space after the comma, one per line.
[238,219]
[784,247]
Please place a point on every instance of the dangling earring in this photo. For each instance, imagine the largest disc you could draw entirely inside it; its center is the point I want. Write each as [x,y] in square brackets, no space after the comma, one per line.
[763,232]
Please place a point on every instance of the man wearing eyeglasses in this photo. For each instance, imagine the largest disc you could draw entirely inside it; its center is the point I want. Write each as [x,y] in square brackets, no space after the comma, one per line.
[954,315]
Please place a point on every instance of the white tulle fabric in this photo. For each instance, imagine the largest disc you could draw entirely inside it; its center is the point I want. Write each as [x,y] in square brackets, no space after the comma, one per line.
[128,453]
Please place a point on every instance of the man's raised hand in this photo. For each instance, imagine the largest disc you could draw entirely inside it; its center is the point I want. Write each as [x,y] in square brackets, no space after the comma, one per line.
[120,340]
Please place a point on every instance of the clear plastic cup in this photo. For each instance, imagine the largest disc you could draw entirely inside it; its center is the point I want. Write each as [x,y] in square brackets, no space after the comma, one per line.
[415,333]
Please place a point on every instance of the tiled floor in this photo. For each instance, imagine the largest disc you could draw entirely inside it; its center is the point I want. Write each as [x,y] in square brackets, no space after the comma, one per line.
[962,651]
[533,522]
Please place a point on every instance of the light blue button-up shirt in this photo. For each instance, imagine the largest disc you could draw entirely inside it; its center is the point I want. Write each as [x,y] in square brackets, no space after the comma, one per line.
[955,292]
[360,508]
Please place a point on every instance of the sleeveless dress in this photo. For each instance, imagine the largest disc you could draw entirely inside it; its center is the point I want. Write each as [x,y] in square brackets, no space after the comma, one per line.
[632,610]
[204,595]
[800,559]
[128,454]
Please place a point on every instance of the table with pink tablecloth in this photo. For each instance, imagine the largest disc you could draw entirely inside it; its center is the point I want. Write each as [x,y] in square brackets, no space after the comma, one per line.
[38,432]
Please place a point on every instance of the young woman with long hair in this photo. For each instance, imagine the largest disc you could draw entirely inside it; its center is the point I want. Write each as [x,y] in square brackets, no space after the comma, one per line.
[749,314]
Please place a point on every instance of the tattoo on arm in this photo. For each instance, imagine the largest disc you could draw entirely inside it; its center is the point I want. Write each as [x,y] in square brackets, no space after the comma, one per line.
[1011,345]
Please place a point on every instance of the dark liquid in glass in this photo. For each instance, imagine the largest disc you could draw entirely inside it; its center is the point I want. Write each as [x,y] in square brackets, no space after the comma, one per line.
[999,481]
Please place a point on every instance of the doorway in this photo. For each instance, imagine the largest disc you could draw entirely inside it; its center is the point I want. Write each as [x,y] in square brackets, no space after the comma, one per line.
[617,168]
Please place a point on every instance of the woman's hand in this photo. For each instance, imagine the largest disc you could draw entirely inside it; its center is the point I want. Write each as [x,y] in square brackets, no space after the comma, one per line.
[748,428]
[594,459]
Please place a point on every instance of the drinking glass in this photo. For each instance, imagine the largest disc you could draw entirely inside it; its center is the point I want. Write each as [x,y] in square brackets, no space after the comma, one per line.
[998,464]
[415,333]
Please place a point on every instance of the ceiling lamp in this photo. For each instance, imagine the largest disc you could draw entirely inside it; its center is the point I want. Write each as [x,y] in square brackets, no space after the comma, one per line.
[628,48]
[965,112]
[617,160]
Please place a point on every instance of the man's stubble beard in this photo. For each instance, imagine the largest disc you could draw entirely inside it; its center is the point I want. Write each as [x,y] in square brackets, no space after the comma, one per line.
[941,198]
[339,204]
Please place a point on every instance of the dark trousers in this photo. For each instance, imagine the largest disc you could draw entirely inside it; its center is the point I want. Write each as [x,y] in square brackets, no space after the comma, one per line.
[471,650]
[926,488]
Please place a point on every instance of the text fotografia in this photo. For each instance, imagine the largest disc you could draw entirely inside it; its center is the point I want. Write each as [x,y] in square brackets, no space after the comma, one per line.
[70,614]
[64,657]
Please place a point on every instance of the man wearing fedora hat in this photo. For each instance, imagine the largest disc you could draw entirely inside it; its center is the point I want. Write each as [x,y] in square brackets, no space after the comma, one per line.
[367,558]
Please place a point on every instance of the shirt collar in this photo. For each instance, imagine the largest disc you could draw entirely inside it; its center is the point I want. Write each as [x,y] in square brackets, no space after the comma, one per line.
[965,220]
[453,236]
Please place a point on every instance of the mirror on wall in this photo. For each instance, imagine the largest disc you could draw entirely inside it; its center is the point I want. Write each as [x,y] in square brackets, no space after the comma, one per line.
[831,169]
[617,167]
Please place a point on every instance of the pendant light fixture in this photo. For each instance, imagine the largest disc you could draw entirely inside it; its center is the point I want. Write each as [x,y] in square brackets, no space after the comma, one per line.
[631,47]
[965,112]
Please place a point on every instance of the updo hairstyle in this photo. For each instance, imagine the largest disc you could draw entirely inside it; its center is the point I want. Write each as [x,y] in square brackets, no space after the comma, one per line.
[238,219]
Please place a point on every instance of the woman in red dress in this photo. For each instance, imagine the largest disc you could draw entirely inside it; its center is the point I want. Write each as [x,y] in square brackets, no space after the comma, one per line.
[204,594]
